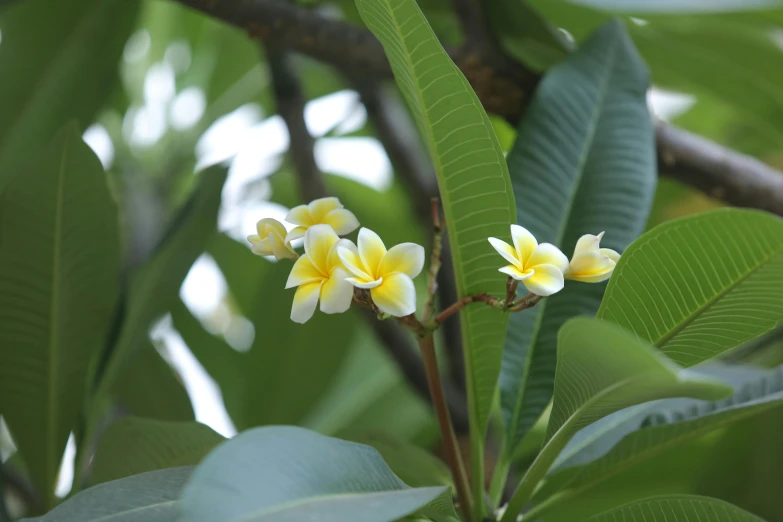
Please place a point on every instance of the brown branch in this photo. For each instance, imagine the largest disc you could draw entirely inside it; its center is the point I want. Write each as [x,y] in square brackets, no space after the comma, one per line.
[291,101]
[503,86]
[721,173]
[475,26]
[432,274]
[399,344]
[450,444]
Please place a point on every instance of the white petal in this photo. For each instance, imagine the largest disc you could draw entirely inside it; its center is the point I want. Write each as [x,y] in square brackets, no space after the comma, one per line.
[262,248]
[547,254]
[255,238]
[396,295]
[590,267]
[546,280]
[299,216]
[319,208]
[407,258]
[295,233]
[337,293]
[371,250]
[524,242]
[587,243]
[342,221]
[611,254]
[515,273]
[349,256]
[280,249]
[505,250]
[303,272]
[364,283]
[305,301]
[319,240]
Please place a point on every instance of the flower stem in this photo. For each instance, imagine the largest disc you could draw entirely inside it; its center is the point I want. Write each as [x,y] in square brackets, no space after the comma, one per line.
[465,301]
[432,275]
[453,456]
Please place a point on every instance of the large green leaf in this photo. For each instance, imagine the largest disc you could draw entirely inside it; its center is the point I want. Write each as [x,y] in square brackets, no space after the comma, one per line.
[676,508]
[602,369]
[583,162]
[150,388]
[412,464]
[149,497]
[474,187]
[133,445]
[284,474]
[59,261]
[595,440]
[154,287]
[59,62]
[653,441]
[701,285]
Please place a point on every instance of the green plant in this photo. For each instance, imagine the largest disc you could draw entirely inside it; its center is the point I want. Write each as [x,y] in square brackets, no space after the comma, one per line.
[602,391]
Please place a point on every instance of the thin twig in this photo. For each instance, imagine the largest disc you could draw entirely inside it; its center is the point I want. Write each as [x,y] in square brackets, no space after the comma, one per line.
[432,275]
[465,301]
[453,455]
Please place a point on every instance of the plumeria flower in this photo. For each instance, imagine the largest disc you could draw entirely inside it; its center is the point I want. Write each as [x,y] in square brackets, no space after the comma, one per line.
[539,267]
[319,274]
[327,211]
[387,274]
[270,240]
[591,264]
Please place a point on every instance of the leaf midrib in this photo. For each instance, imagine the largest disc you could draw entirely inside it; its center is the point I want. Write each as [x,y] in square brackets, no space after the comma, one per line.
[54,321]
[249,517]
[134,510]
[584,154]
[698,312]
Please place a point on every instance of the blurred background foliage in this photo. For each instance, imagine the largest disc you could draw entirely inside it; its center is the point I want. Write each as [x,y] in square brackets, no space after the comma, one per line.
[161,92]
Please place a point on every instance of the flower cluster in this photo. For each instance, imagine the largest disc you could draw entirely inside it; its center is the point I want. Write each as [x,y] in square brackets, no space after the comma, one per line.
[336,271]
[331,268]
[543,268]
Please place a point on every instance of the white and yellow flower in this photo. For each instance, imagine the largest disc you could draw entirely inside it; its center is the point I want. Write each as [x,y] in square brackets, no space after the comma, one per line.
[539,267]
[270,240]
[319,274]
[590,263]
[387,274]
[326,211]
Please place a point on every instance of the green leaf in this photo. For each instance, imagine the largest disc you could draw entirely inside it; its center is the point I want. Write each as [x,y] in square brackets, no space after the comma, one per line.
[415,466]
[150,388]
[60,63]
[154,287]
[149,497]
[620,371]
[602,369]
[589,172]
[474,187]
[133,445]
[59,258]
[675,508]
[670,429]
[286,474]
[597,439]
[526,34]
[698,286]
